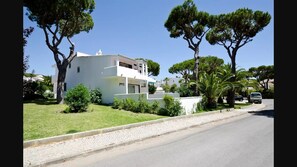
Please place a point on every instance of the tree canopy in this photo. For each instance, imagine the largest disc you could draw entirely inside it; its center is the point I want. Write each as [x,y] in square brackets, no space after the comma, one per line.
[263,74]
[26,33]
[185,69]
[210,64]
[234,30]
[61,19]
[187,22]
[153,68]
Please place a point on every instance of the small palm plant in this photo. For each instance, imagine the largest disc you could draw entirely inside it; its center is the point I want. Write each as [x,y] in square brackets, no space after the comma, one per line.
[211,87]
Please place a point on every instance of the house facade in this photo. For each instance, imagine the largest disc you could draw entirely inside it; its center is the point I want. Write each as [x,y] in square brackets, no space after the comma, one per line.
[113,74]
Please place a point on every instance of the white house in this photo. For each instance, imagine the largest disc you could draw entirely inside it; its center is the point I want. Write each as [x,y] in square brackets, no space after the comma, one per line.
[113,74]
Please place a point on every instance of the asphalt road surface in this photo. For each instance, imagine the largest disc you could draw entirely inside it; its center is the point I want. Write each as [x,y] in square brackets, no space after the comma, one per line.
[244,141]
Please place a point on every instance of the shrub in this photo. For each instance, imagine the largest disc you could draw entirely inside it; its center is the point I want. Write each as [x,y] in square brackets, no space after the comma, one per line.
[155,107]
[143,105]
[163,111]
[140,106]
[48,94]
[169,100]
[172,107]
[201,106]
[152,89]
[96,96]
[176,109]
[117,103]
[173,88]
[130,105]
[78,98]
[166,87]
[185,91]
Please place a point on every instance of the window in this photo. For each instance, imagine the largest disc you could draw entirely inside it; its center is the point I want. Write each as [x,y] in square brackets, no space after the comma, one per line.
[143,85]
[65,86]
[69,65]
[125,65]
[78,69]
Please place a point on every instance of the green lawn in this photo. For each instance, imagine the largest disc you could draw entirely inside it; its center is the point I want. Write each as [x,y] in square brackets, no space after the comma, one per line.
[47,119]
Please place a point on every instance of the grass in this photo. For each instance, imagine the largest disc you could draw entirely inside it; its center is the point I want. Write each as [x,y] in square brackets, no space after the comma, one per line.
[46,119]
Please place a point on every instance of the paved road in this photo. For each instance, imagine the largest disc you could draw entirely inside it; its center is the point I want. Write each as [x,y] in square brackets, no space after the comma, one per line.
[245,141]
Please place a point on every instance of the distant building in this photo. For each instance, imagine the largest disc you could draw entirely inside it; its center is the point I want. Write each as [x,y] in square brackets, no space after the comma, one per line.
[170,82]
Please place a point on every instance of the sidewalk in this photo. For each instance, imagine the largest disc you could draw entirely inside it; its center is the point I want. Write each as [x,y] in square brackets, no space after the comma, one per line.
[43,152]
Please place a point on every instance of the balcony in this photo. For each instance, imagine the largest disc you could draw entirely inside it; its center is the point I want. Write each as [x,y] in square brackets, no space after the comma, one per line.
[123,72]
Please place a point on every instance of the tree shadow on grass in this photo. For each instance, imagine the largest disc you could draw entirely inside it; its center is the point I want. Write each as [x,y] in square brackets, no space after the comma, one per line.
[267,113]
[72,131]
[42,101]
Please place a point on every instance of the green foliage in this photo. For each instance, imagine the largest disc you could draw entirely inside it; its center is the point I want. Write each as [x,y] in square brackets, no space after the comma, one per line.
[143,105]
[26,33]
[29,89]
[140,106]
[187,22]
[201,106]
[130,105]
[96,96]
[153,68]
[48,94]
[78,98]
[117,103]
[155,107]
[176,109]
[263,74]
[169,100]
[166,87]
[211,88]
[58,20]
[172,107]
[173,88]
[185,68]
[210,64]
[152,89]
[72,16]
[36,89]
[185,90]
[233,31]
[237,27]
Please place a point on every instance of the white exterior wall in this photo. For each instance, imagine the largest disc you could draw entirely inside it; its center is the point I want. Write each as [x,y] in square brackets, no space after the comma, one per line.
[189,104]
[105,73]
[89,75]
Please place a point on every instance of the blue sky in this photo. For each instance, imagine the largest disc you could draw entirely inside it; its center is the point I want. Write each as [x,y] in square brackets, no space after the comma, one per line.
[135,28]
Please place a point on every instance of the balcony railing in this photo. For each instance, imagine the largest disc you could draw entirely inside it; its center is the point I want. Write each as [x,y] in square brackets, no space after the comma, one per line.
[123,72]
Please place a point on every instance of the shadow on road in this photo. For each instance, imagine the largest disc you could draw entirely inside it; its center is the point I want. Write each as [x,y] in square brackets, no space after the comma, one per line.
[267,113]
